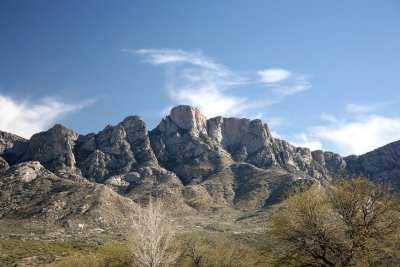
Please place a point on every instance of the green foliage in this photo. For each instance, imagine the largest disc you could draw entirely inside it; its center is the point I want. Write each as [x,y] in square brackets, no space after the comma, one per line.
[351,222]
[217,249]
[111,254]
[14,251]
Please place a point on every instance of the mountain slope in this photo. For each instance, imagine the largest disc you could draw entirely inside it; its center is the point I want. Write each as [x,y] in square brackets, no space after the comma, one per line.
[382,163]
[34,198]
[222,169]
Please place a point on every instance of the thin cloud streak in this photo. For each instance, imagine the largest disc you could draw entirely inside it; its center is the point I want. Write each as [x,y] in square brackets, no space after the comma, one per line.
[273,75]
[197,80]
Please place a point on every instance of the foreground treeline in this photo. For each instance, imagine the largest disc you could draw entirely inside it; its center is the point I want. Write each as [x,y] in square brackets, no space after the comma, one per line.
[193,249]
[346,223]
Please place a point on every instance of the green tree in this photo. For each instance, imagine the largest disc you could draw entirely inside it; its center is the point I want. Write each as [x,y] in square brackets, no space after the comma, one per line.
[352,222]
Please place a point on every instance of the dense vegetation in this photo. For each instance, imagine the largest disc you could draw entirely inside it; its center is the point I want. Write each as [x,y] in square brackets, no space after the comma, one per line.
[351,222]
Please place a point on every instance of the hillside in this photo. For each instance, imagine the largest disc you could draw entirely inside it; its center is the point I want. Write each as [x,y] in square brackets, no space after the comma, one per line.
[218,173]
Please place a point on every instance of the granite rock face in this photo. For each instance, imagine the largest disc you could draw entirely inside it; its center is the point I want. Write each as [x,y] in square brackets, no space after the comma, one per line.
[382,163]
[32,193]
[3,165]
[225,165]
[7,140]
[234,133]
[121,156]
[53,148]
[181,145]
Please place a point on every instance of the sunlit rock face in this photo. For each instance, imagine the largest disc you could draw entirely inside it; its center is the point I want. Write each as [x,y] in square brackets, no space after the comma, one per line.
[194,162]
[53,148]
[189,118]
[8,140]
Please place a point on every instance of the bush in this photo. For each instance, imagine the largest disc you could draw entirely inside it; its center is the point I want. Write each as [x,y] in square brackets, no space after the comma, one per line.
[350,222]
[216,249]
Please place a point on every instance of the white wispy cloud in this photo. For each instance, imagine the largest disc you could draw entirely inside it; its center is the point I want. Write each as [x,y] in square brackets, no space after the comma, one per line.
[197,80]
[25,117]
[293,85]
[273,75]
[165,56]
[358,108]
[303,140]
[357,131]
[193,79]
[360,135]
[368,108]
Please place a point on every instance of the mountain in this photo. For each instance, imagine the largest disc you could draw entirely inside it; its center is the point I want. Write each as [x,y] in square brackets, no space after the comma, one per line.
[224,170]
[33,200]
[382,163]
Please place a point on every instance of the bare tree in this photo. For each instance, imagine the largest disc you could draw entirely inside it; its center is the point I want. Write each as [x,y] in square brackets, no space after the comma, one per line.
[154,237]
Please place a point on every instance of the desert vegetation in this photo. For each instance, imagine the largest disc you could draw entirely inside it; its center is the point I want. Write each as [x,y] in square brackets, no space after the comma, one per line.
[350,222]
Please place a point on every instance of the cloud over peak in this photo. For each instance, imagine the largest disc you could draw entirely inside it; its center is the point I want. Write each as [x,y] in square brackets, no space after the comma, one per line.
[175,56]
[356,132]
[24,117]
[195,79]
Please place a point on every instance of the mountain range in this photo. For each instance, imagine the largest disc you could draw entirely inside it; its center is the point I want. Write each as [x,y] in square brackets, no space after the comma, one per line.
[218,174]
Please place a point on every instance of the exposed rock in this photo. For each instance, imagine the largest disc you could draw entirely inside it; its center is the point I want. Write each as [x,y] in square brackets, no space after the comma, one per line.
[109,153]
[189,118]
[30,192]
[138,138]
[7,140]
[221,171]
[53,148]
[3,165]
[181,145]
[382,163]
[221,166]
[117,180]
[231,133]
[257,188]
[115,151]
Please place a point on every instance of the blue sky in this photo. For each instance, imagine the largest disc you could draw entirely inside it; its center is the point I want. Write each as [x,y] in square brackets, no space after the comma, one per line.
[322,74]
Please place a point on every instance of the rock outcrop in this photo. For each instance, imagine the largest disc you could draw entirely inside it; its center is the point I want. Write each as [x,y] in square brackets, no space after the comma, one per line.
[31,193]
[234,134]
[7,140]
[3,165]
[382,163]
[53,148]
[215,166]
[181,145]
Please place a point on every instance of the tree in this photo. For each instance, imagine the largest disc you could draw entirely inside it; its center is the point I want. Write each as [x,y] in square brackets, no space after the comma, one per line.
[348,223]
[153,237]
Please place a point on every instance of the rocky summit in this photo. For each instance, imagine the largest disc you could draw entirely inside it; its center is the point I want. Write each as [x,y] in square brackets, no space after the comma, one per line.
[224,170]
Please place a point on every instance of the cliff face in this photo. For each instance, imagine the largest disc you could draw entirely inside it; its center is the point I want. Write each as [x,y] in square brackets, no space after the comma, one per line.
[219,164]
[35,199]
[7,141]
[382,163]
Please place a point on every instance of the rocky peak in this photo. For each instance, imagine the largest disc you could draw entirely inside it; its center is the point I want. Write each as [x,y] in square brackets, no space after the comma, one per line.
[235,133]
[53,148]
[138,138]
[381,163]
[7,140]
[135,128]
[189,118]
